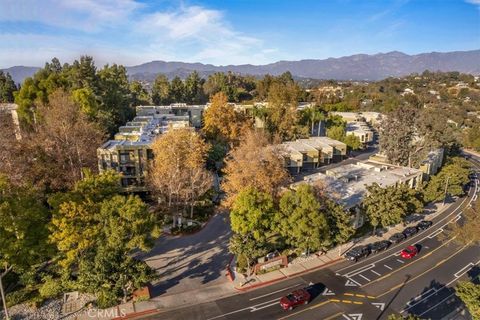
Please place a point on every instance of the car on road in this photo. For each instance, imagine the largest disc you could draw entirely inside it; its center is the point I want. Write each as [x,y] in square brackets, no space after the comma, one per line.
[397,238]
[409,252]
[357,253]
[424,224]
[295,298]
[410,231]
[379,246]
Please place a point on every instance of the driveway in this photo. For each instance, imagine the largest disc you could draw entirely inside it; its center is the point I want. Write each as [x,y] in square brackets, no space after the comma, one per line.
[185,263]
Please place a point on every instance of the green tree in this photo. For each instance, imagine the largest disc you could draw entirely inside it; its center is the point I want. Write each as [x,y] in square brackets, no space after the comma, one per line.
[7,87]
[387,206]
[114,93]
[177,90]
[451,179]
[300,220]
[336,133]
[139,94]
[23,230]
[353,142]
[252,214]
[194,89]
[339,221]
[95,229]
[161,91]
[246,249]
[469,293]
[111,274]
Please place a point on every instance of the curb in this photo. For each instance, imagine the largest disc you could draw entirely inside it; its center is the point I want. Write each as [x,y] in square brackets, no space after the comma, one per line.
[266,283]
[136,314]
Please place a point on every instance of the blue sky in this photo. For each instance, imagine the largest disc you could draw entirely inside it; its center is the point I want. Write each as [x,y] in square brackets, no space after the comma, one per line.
[230,31]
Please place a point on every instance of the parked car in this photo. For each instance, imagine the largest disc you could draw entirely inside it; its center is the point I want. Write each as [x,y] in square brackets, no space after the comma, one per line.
[297,297]
[357,253]
[379,246]
[409,252]
[410,231]
[424,224]
[397,238]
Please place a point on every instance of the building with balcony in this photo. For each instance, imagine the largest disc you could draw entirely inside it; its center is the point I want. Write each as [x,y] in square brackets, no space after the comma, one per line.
[130,150]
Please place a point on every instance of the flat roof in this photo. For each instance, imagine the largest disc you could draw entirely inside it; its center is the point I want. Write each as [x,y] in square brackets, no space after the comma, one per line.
[347,184]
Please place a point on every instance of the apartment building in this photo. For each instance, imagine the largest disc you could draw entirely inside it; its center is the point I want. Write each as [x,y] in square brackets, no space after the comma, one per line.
[362,130]
[432,162]
[312,152]
[130,150]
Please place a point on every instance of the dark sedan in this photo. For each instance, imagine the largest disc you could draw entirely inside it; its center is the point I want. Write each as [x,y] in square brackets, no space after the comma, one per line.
[379,246]
[425,224]
[410,231]
[397,238]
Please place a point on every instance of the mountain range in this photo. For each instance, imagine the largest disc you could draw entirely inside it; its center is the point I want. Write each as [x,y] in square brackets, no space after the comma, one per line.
[355,67]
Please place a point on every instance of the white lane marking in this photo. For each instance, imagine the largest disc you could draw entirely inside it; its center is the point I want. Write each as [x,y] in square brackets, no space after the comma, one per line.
[388,267]
[421,296]
[269,294]
[402,262]
[379,305]
[361,275]
[328,292]
[351,283]
[353,316]
[421,314]
[263,307]
[435,233]
[355,272]
[436,291]
[255,307]
[462,271]
[378,274]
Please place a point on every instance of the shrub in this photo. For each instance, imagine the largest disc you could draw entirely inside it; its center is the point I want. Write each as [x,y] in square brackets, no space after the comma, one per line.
[19,296]
[106,298]
[242,264]
[50,287]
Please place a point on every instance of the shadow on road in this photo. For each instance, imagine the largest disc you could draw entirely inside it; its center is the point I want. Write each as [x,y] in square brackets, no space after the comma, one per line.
[394,296]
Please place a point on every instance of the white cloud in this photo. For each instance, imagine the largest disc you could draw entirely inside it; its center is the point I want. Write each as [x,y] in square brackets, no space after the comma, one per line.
[84,15]
[122,29]
[198,34]
[476,2]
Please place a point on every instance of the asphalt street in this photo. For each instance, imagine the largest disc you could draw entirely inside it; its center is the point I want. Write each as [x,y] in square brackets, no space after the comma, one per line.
[373,288]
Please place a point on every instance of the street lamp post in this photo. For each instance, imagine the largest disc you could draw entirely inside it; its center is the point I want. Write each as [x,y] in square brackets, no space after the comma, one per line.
[446,188]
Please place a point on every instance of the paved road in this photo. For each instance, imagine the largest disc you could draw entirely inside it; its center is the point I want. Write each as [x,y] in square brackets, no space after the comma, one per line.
[190,262]
[379,285]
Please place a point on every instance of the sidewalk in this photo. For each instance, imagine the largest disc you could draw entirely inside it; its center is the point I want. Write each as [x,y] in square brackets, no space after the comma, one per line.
[316,261]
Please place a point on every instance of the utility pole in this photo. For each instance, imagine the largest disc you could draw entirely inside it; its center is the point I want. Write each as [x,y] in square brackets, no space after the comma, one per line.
[446,188]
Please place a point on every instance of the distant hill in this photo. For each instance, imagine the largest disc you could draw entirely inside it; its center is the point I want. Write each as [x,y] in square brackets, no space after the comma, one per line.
[355,67]
[19,73]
